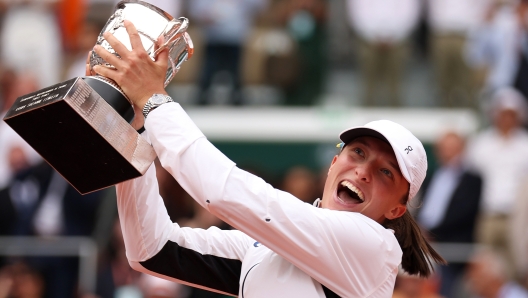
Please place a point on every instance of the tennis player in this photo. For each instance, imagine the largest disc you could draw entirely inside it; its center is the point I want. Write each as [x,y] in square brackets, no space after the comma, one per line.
[348,244]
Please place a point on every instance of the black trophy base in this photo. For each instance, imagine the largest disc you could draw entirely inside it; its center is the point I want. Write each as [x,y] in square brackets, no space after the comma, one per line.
[80,135]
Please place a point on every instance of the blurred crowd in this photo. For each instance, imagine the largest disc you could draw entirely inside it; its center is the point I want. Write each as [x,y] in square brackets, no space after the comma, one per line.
[474,203]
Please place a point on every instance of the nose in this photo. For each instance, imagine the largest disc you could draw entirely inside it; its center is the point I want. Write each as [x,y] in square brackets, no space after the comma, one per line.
[363,173]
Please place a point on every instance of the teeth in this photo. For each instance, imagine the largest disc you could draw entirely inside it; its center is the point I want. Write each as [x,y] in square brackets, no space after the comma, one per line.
[354,189]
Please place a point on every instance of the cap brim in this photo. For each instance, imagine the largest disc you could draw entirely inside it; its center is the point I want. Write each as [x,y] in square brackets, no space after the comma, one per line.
[360,131]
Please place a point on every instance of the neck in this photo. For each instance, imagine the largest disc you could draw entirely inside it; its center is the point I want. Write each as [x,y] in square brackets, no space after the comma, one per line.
[506,132]
[493,290]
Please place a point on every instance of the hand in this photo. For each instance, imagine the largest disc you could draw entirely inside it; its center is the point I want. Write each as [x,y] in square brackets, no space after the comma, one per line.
[135,72]
[139,119]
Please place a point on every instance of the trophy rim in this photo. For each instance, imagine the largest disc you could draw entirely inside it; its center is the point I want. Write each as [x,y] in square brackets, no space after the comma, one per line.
[151,6]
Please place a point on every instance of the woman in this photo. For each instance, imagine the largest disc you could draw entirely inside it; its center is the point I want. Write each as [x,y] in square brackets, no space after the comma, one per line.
[284,247]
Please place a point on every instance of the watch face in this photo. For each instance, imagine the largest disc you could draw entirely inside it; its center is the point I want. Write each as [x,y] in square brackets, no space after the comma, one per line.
[158,99]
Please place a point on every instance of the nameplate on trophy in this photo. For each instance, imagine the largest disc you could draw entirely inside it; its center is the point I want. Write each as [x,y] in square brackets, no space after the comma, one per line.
[80,135]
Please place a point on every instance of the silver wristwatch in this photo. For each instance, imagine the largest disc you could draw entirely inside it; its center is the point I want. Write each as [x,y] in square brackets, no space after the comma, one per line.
[155,101]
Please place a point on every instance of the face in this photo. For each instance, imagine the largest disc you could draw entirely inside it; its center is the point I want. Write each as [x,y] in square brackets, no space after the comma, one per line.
[507,120]
[449,148]
[365,178]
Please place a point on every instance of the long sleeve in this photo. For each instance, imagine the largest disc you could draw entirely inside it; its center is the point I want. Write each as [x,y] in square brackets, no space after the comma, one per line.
[347,252]
[208,259]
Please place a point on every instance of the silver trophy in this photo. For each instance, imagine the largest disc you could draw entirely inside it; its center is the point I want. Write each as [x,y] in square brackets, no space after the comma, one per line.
[81,126]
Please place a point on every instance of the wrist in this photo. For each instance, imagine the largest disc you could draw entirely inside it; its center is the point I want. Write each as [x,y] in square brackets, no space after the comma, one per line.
[144,99]
[154,102]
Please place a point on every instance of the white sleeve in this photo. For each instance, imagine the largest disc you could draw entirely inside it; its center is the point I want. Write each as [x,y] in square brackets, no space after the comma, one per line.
[345,251]
[209,259]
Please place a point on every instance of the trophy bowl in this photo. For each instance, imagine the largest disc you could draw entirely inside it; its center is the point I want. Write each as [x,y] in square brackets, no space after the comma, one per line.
[81,126]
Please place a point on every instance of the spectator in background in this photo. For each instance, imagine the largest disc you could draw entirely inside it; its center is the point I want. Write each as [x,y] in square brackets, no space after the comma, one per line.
[451,198]
[519,233]
[18,280]
[499,154]
[450,22]
[487,277]
[305,21]
[39,202]
[31,40]
[383,28]
[494,46]
[301,183]
[521,75]
[226,24]
[15,153]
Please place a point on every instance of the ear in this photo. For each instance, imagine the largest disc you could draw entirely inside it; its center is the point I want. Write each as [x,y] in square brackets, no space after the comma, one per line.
[332,164]
[396,211]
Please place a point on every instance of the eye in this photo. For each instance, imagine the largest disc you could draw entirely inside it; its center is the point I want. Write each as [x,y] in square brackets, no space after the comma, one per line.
[359,151]
[387,172]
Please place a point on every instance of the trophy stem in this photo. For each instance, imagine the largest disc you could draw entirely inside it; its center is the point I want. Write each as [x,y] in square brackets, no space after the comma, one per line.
[113,95]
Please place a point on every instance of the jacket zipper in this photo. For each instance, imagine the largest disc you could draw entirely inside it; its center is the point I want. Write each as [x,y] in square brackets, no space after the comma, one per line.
[244,282]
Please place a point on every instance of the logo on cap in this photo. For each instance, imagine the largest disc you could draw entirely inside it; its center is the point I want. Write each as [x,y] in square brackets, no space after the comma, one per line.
[408,149]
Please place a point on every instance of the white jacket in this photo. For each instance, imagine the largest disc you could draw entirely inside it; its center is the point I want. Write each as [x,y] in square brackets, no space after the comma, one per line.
[284,247]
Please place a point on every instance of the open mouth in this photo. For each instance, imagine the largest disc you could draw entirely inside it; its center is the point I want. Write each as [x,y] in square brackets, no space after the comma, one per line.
[349,194]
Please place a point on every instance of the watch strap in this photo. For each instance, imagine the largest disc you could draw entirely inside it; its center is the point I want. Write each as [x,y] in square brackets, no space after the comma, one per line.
[151,105]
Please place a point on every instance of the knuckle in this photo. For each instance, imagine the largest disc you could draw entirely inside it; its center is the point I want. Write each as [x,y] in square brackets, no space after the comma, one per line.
[143,55]
[125,69]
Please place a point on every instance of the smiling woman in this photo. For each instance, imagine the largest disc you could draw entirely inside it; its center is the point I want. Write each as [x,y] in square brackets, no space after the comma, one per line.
[339,247]
[378,171]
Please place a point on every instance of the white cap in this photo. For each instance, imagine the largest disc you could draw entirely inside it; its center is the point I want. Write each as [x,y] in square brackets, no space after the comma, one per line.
[408,150]
[509,98]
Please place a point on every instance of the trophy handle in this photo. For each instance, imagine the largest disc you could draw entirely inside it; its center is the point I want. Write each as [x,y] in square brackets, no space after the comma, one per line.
[175,36]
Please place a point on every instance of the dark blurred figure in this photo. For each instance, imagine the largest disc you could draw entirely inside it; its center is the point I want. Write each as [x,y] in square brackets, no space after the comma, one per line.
[15,153]
[301,183]
[383,29]
[451,198]
[521,75]
[39,202]
[227,24]
[178,203]
[486,277]
[499,154]
[450,22]
[305,22]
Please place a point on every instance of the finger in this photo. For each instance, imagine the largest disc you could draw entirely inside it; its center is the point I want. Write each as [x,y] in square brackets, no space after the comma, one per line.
[163,58]
[158,43]
[108,57]
[106,72]
[135,40]
[88,71]
[118,46]
[88,57]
